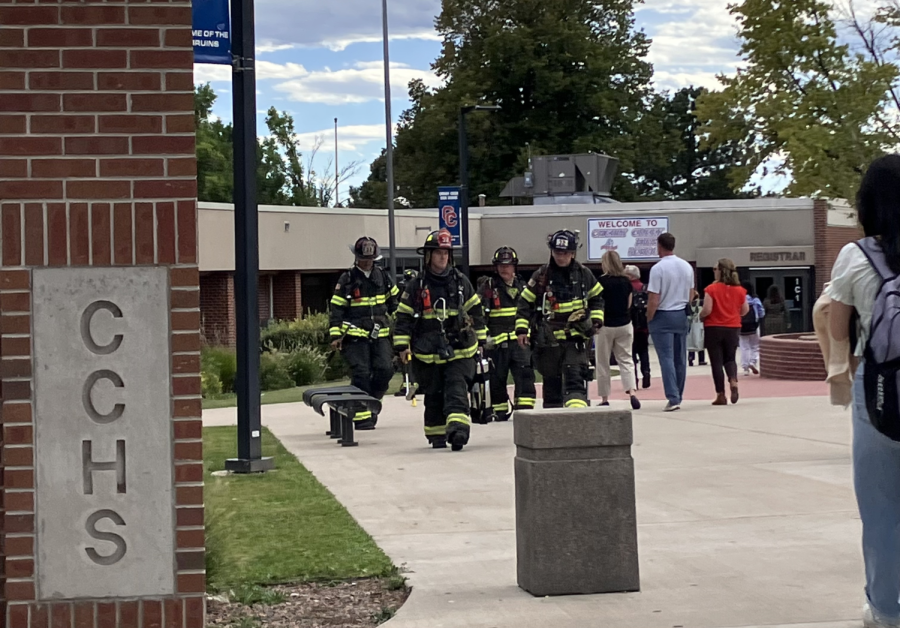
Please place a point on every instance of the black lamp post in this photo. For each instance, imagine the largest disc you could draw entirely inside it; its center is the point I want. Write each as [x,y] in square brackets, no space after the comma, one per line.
[246,243]
[464,179]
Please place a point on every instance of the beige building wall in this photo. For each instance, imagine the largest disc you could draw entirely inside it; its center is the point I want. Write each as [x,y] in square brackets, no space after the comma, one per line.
[318,238]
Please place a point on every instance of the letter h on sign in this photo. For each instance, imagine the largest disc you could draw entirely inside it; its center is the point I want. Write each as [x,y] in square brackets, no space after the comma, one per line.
[88,466]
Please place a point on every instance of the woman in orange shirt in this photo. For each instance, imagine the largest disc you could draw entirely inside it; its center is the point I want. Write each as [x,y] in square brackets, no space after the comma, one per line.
[724,303]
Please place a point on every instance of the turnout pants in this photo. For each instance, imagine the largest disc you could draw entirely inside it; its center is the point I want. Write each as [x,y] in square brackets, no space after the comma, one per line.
[371,370]
[445,388]
[564,368]
[509,357]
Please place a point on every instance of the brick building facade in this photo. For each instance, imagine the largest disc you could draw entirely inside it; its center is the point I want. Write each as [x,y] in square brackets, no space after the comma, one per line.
[97,169]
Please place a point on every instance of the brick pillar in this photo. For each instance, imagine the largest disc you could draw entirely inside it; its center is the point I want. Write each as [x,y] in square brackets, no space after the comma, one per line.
[99,316]
[830,239]
[288,295]
[217,308]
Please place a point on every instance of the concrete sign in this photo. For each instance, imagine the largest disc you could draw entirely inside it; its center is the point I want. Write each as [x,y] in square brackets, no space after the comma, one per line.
[103,435]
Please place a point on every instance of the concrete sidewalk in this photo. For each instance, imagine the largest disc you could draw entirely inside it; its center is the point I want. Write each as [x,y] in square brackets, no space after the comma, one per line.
[746,517]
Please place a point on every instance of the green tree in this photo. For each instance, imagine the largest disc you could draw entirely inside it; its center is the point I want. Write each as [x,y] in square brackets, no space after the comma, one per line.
[569,75]
[804,104]
[672,164]
[281,176]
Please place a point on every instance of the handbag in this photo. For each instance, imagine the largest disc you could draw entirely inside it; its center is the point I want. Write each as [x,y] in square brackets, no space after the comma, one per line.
[696,334]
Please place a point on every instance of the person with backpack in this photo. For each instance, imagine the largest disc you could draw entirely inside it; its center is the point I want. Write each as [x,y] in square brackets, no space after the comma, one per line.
[640,348]
[724,304]
[750,325]
[865,306]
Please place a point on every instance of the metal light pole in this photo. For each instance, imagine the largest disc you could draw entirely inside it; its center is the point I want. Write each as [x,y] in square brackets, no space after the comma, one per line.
[337,175]
[246,243]
[464,179]
[389,132]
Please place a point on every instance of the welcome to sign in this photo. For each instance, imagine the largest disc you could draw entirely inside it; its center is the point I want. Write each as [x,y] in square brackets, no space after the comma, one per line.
[634,239]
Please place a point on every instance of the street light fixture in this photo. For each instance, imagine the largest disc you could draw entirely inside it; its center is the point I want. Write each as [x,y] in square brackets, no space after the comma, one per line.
[464,178]
[389,132]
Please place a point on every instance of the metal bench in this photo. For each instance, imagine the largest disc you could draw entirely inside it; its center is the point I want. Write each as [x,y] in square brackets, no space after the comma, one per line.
[342,402]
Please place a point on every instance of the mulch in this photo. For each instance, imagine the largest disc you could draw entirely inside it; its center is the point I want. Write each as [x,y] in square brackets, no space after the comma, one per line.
[342,605]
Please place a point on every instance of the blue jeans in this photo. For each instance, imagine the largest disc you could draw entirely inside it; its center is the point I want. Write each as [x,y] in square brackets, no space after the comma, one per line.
[876,479]
[669,331]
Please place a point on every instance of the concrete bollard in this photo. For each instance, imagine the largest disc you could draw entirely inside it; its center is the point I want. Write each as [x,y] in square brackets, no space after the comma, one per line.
[576,525]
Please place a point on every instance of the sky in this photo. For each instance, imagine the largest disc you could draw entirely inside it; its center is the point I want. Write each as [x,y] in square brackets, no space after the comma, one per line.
[324,60]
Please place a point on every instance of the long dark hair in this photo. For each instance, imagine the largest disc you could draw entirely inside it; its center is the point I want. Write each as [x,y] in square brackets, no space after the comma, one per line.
[774,295]
[878,204]
[748,286]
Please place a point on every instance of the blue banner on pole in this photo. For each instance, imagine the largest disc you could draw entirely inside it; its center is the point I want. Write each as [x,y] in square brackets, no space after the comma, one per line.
[211,32]
[448,213]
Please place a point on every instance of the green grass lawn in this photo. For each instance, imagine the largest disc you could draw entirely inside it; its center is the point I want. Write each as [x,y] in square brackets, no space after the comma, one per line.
[278,527]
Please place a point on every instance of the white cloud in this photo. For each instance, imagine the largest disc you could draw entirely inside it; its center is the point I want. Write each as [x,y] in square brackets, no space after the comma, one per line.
[363,82]
[351,138]
[209,73]
[338,24]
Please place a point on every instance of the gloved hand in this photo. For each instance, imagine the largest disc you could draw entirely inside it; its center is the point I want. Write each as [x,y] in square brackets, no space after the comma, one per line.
[489,343]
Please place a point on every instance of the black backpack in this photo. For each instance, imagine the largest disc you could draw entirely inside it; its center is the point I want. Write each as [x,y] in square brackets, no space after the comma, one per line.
[749,322]
[639,309]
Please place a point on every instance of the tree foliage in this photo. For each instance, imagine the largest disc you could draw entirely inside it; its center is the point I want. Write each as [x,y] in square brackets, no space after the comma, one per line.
[282,178]
[806,104]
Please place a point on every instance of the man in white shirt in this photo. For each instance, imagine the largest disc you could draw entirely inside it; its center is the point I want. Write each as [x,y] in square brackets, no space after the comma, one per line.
[670,290]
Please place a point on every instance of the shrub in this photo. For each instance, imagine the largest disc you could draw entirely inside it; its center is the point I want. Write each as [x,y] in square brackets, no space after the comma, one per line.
[210,384]
[306,365]
[223,362]
[311,331]
[273,373]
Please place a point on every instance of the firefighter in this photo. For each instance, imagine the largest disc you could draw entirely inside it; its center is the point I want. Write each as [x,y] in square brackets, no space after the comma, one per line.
[360,327]
[499,295]
[440,323]
[559,311]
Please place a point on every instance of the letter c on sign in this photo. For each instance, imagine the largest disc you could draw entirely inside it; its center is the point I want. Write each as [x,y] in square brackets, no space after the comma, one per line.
[88,403]
[86,335]
[91,527]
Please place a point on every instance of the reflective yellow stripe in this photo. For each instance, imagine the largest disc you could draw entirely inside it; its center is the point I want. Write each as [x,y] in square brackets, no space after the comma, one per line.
[437,430]
[406,309]
[501,407]
[432,358]
[401,341]
[598,314]
[522,323]
[335,331]
[433,314]
[503,337]
[472,302]
[338,300]
[525,402]
[362,416]
[395,291]
[456,417]
[358,333]
[502,312]
[381,299]
[597,289]
[528,295]
[570,306]
[576,403]
[481,334]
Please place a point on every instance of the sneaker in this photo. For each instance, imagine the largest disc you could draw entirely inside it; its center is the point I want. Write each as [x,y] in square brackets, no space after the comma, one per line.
[871,621]
[754,369]
[672,407]
[635,403]
[746,372]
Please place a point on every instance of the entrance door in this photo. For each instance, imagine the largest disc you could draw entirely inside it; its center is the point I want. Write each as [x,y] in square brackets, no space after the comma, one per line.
[794,286]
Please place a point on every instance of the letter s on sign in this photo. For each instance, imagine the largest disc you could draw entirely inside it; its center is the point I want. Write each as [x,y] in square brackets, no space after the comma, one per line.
[91,527]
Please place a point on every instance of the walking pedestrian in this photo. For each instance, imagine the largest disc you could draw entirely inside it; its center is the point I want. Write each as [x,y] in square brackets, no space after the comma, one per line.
[671,288]
[617,333]
[724,303]
[854,287]
[750,326]
[640,348]
[776,320]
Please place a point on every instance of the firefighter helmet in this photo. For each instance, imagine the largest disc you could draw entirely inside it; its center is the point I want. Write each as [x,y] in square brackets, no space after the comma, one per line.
[437,240]
[410,274]
[366,248]
[563,240]
[505,255]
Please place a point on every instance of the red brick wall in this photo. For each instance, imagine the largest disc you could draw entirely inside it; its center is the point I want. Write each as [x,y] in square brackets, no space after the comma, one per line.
[97,167]
[287,295]
[788,357]
[217,308]
[829,241]
[262,291]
